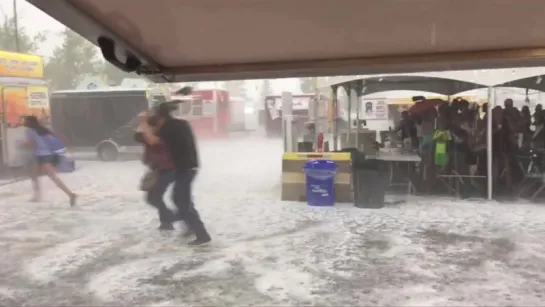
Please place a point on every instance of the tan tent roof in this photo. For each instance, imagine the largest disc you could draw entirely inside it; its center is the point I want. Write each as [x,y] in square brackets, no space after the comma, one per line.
[178,40]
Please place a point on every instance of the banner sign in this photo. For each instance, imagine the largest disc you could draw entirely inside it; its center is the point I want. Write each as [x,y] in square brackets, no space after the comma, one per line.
[373,109]
[21,65]
[38,97]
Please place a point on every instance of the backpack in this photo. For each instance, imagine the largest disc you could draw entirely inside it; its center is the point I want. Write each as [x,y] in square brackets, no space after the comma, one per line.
[56,147]
[55,144]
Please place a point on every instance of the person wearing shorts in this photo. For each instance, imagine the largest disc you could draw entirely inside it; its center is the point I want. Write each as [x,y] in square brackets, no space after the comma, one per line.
[40,140]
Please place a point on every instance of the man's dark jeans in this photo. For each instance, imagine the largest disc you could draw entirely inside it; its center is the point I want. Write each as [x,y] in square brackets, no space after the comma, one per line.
[183,199]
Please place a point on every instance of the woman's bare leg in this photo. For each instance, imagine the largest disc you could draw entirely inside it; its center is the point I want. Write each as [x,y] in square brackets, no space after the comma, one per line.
[34,174]
[51,172]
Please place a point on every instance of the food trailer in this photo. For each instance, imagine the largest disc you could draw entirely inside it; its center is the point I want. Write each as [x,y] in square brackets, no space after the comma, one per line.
[208,111]
[103,119]
[23,91]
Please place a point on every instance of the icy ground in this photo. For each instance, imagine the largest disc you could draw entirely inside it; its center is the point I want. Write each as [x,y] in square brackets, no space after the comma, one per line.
[266,252]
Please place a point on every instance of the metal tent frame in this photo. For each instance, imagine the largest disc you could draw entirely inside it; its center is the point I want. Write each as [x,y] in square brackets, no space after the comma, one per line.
[366,86]
[536,83]
[442,86]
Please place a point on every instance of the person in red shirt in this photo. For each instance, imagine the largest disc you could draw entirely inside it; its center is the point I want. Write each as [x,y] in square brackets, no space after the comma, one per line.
[158,158]
[180,142]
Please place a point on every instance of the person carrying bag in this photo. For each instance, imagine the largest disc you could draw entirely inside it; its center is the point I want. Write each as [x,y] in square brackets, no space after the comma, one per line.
[44,145]
[160,173]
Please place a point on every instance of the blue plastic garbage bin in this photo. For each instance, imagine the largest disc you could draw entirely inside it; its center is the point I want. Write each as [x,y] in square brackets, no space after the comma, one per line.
[320,187]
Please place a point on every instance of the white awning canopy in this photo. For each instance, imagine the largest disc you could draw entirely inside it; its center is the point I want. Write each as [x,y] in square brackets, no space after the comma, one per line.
[183,40]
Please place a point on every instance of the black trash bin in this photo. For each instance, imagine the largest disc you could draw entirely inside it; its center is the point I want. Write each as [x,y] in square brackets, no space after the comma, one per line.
[369,178]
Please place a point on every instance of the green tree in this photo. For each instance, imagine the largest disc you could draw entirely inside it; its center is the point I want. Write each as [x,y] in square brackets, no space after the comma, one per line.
[27,42]
[74,59]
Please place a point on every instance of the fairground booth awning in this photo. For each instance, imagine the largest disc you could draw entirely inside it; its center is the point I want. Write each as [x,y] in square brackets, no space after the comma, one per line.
[442,86]
[183,40]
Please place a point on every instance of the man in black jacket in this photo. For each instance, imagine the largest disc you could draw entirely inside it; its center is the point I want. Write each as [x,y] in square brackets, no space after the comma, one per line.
[180,141]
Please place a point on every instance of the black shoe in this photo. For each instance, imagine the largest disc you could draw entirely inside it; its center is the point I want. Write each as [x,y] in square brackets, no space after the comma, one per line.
[166,226]
[199,242]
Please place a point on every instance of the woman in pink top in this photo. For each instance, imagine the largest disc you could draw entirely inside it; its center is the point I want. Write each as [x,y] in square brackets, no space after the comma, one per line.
[158,158]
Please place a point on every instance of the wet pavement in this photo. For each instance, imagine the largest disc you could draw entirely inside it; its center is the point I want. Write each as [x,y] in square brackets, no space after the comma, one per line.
[107,251]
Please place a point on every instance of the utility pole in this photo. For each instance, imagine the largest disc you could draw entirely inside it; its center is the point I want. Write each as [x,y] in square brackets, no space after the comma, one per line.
[16,25]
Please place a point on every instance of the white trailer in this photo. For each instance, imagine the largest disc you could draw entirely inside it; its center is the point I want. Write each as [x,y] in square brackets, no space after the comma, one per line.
[237,113]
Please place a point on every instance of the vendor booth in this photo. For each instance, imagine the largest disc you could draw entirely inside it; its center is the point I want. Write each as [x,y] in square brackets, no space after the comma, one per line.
[456,156]
[355,135]
[23,91]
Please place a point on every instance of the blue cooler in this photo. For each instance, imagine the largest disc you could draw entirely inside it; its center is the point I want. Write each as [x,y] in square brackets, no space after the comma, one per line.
[320,186]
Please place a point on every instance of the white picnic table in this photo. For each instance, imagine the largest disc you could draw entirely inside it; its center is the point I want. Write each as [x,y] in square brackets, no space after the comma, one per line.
[393,156]
[398,157]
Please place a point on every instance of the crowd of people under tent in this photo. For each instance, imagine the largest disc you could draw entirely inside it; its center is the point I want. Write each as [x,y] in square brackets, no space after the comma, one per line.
[451,139]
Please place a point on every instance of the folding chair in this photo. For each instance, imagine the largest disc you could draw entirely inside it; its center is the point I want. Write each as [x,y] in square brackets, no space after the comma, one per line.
[532,174]
[538,174]
[449,177]
[541,187]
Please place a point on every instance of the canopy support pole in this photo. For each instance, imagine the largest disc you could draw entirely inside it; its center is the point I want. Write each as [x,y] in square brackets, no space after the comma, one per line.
[489,162]
[358,106]
[334,115]
[348,90]
[287,121]
[315,114]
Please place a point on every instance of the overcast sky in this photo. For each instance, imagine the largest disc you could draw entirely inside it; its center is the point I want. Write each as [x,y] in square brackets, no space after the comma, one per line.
[34,20]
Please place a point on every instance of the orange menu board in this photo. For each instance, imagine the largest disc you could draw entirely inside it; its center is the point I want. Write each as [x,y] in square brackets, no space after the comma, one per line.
[22,101]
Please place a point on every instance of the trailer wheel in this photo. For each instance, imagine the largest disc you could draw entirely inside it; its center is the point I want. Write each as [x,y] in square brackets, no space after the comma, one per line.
[107,152]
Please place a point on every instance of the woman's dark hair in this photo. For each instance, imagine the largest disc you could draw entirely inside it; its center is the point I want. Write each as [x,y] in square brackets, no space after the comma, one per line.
[33,123]
[163,110]
[152,120]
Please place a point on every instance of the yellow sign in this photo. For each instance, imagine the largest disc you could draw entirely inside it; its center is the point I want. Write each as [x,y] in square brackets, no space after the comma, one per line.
[21,65]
